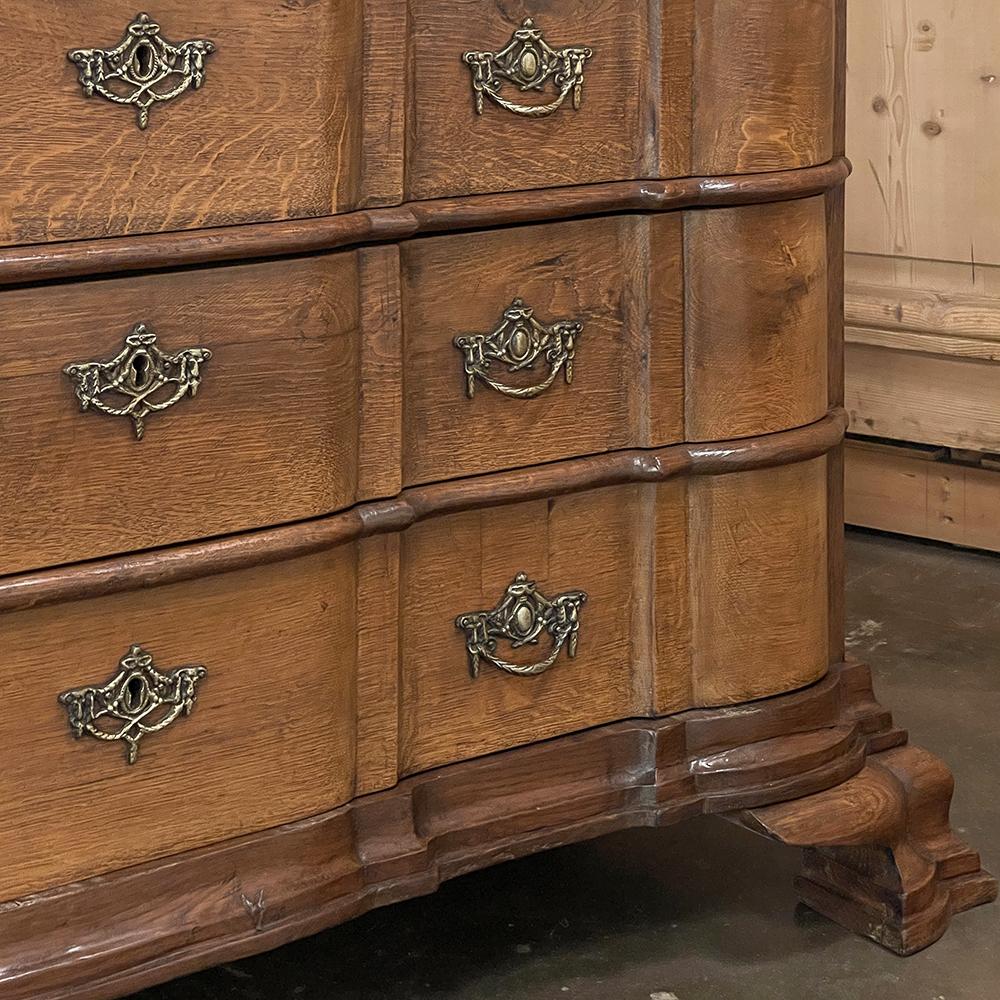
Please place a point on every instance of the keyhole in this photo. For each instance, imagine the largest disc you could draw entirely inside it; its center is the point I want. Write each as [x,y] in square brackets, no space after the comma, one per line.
[135,693]
[140,371]
[143,60]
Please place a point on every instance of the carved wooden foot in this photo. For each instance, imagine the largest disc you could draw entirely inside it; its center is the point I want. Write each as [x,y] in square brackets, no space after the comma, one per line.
[880,856]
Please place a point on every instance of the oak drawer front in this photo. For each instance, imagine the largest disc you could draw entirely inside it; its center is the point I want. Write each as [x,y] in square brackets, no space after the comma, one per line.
[532,344]
[636,601]
[269,738]
[267,128]
[260,363]
[519,96]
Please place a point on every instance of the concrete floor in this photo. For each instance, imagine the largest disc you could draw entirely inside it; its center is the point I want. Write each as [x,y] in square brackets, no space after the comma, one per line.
[701,911]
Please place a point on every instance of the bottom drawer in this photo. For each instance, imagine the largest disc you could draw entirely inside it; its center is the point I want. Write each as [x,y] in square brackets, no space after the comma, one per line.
[648,599]
[269,738]
[283,673]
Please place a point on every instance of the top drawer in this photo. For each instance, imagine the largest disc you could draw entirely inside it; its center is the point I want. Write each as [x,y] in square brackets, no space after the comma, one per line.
[272,131]
[583,91]
[302,108]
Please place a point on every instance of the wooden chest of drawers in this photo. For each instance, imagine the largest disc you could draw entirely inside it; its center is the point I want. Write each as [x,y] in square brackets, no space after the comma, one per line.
[421,429]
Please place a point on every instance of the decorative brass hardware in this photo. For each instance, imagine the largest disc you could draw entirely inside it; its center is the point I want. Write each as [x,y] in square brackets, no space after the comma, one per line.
[149,380]
[518,342]
[143,68]
[520,618]
[132,701]
[530,63]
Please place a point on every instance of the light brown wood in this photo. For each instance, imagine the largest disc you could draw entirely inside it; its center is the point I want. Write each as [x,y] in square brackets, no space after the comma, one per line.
[464,563]
[619,277]
[271,437]
[927,398]
[759,578]
[271,738]
[756,319]
[912,491]
[268,136]
[923,97]
[502,151]
[763,95]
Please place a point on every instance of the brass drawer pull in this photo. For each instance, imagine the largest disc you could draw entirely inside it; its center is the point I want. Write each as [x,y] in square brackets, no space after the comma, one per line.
[518,342]
[143,68]
[530,63]
[520,618]
[138,700]
[140,380]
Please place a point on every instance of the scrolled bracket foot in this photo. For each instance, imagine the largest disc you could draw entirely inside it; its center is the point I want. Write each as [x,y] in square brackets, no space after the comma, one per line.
[880,856]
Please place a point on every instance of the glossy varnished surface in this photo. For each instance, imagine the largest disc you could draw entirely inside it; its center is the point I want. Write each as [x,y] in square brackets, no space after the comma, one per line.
[270,739]
[405,841]
[267,136]
[705,89]
[695,326]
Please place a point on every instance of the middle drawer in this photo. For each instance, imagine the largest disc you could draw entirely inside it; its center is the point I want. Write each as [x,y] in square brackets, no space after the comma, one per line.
[259,394]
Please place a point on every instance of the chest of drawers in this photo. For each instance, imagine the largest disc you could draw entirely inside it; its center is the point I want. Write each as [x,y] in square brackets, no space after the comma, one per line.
[421,429]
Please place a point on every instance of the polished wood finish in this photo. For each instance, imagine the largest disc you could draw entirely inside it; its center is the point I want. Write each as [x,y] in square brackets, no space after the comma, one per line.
[223,555]
[359,390]
[757,341]
[621,277]
[284,137]
[292,727]
[75,259]
[405,841]
[310,526]
[273,435]
[271,738]
[881,857]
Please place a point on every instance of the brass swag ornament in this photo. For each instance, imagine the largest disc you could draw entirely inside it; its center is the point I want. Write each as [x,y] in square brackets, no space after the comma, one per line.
[522,615]
[530,63]
[137,701]
[518,342]
[140,380]
[143,69]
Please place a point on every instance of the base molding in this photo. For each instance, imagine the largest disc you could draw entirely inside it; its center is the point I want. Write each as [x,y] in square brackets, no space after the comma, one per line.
[873,812]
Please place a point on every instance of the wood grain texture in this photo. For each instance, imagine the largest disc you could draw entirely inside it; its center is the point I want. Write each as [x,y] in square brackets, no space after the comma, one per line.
[757,319]
[223,555]
[406,841]
[464,563]
[267,137]
[764,97]
[759,587]
[271,738]
[501,151]
[929,398]
[923,97]
[278,239]
[619,277]
[881,857]
[271,437]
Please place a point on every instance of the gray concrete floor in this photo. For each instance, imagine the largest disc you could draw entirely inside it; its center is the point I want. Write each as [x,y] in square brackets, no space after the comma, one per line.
[701,911]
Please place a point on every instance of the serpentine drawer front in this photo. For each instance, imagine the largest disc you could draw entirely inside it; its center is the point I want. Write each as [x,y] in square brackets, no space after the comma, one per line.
[421,430]
[247,408]
[254,133]
[192,403]
[212,115]
[322,665]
